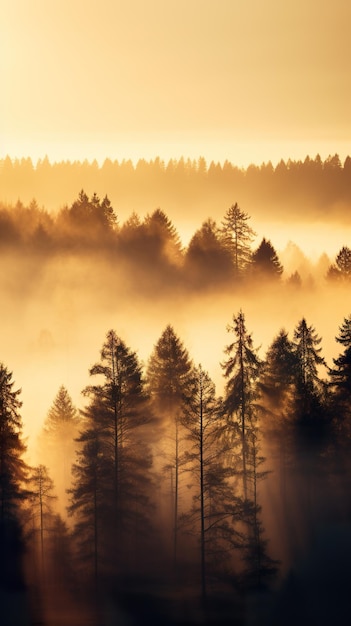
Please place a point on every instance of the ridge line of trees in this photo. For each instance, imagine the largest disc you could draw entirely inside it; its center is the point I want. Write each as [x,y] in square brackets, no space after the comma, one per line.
[319,184]
[217,255]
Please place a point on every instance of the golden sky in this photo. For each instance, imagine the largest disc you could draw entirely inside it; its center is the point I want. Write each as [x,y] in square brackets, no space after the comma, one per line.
[246,80]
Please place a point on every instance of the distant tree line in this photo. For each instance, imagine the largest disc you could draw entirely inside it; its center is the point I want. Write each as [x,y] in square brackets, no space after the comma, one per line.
[185,184]
[163,480]
[149,250]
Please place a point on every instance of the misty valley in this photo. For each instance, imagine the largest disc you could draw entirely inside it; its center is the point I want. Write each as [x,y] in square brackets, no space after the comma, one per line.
[175,418]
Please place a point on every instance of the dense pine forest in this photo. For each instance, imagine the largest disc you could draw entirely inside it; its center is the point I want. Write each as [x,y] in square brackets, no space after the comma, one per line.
[195,186]
[188,457]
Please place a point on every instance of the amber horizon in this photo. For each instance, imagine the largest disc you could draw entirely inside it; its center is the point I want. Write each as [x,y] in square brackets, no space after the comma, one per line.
[237,81]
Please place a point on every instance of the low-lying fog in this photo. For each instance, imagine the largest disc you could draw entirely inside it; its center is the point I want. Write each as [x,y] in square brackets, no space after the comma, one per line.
[55,315]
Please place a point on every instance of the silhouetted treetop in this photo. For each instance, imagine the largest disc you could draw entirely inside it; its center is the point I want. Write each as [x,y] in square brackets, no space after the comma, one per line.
[208,260]
[13,470]
[185,184]
[265,261]
[341,269]
[238,236]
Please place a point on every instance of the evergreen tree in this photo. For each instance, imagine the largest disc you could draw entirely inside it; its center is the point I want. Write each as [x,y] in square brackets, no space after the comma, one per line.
[241,406]
[87,220]
[13,478]
[277,390]
[164,236]
[241,371]
[169,374]
[259,567]
[110,492]
[213,507]
[42,497]
[340,375]
[88,501]
[265,262]
[13,470]
[56,441]
[208,261]
[341,269]
[310,389]
[238,236]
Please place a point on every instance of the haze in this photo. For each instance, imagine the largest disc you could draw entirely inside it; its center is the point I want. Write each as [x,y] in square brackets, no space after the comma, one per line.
[129,130]
[245,81]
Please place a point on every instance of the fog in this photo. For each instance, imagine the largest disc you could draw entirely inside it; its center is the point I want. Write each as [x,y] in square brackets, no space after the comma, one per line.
[67,279]
[55,315]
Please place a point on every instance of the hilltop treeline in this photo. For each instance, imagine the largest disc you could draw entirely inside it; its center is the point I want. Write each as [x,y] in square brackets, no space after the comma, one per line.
[324,187]
[148,252]
[167,520]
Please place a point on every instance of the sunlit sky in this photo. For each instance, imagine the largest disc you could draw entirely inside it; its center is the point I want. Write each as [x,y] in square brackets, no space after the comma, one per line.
[244,80]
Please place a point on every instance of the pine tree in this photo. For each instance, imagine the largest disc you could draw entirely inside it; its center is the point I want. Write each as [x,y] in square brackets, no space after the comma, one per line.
[164,236]
[242,408]
[277,391]
[208,261]
[238,236]
[241,371]
[340,375]
[310,389]
[42,497]
[111,488]
[341,269]
[169,374]
[265,262]
[88,501]
[56,441]
[13,470]
[214,507]
[13,479]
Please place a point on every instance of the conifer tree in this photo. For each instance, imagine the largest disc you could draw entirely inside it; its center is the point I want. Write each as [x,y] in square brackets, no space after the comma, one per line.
[215,509]
[340,382]
[13,470]
[310,389]
[238,236]
[241,370]
[110,494]
[56,441]
[169,373]
[341,269]
[13,479]
[42,497]
[242,408]
[208,261]
[265,262]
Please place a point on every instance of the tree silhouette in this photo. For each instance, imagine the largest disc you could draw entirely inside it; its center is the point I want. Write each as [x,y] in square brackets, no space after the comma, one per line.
[340,375]
[208,261]
[164,236]
[265,262]
[241,407]
[341,269]
[88,500]
[42,497]
[111,483]
[237,236]
[87,221]
[13,478]
[56,440]
[213,503]
[309,386]
[277,390]
[241,371]
[13,470]
[168,375]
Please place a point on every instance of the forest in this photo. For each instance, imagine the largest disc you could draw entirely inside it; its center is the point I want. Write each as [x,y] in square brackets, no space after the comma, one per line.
[188,185]
[198,470]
